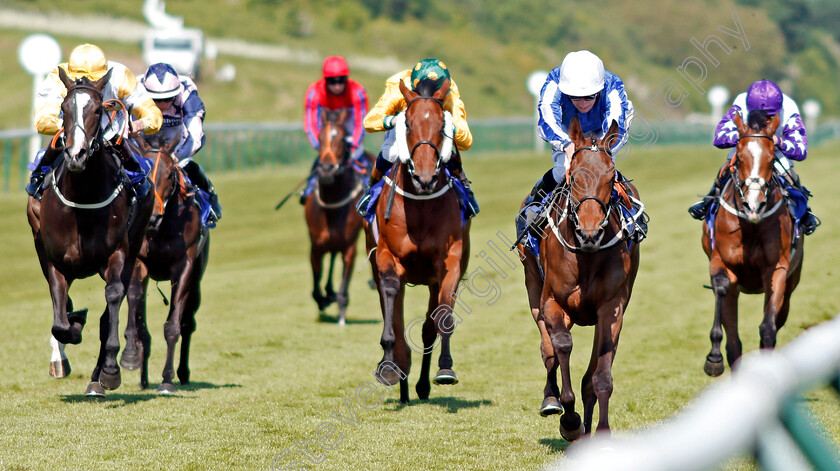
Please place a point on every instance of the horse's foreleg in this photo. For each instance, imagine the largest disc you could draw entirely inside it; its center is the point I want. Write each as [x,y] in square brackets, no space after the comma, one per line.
[390,288]
[117,278]
[316,256]
[726,317]
[429,336]
[131,358]
[59,364]
[558,323]
[64,329]
[445,317]
[775,300]
[349,257]
[187,329]
[534,286]
[172,328]
[598,382]
[328,289]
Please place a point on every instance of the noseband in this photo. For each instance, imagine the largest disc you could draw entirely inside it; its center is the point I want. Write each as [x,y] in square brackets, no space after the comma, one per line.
[751,183]
[424,142]
[572,207]
[93,142]
[160,200]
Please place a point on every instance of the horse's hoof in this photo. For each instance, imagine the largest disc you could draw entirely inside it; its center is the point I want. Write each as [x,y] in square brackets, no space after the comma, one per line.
[60,369]
[386,376]
[110,381]
[166,388]
[550,406]
[445,376]
[95,389]
[423,390]
[571,435]
[131,361]
[713,368]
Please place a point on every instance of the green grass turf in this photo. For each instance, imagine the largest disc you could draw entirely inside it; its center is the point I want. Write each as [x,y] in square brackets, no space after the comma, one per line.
[267,371]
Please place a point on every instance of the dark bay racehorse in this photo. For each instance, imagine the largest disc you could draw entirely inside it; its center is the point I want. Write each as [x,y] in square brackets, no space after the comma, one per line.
[84,225]
[589,274]
[333,223]
[423,242]
[176,248]
[752,248]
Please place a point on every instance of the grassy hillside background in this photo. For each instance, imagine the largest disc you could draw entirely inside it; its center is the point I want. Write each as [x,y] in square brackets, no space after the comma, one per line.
[490,45]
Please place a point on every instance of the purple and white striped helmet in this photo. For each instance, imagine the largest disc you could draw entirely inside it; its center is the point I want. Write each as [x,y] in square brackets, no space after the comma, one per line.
[764,95]
[161,81]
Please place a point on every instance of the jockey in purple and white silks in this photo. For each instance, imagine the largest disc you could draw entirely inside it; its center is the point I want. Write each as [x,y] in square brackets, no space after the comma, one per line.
[183,111]
[578,87]
[790,139]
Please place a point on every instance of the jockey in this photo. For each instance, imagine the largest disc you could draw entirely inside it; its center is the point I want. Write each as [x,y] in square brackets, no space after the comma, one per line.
[790,140]
[183,111]
[89,61]
[335,91]
[578,87]
[381,118]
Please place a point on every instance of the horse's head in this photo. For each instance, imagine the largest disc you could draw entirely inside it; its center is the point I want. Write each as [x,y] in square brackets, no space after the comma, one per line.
[82,110]
[165,173]
[426,141]
[752,165]
[333,149]
[591,175]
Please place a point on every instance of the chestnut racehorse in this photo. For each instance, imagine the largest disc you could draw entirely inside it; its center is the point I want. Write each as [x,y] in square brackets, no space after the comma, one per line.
[752,248]
[333,223]
[176,248]
[424,241]
[84,225]
[590,261]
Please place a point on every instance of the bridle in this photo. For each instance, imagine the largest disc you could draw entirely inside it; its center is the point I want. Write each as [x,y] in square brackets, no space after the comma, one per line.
[93,142]
[573,206]
[751,184]
[410,163]
[161,201]
[340,168]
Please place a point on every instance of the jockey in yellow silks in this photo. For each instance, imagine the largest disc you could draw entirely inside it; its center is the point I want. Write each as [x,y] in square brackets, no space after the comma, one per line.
[391,103]
[89,61]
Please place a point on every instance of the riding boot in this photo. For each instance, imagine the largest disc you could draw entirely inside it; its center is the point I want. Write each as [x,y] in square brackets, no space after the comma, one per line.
[456,168]
[528,218]
[304,193]
[376,175]
[48,159]
[140,184]
[698,209]
[200,179]
[809,221]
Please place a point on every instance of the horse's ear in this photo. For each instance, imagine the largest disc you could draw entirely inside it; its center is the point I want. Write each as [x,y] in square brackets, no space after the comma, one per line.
[773,125]
[406,93]
[575,133]
[612,136]
[342,115]
[443,90]
[173,142]
[323,115]
[62,75]
[743,128]
[100,84]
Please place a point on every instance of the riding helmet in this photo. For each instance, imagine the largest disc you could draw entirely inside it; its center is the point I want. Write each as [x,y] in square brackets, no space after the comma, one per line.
[764,95]
[432,69]
[162,82]
[336,66]
[581,74]
[88,61]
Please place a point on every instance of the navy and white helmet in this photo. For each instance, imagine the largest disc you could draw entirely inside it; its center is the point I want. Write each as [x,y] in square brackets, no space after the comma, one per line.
[162,82]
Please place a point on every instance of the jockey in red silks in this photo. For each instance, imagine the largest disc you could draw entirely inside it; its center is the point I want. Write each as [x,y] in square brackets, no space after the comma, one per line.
[335,91]
[790,140]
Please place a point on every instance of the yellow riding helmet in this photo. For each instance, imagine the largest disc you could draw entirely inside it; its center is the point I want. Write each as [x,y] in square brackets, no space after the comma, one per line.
[88,61]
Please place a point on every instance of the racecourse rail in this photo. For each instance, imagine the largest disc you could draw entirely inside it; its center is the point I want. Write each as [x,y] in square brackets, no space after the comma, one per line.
[241,146]
[757,411]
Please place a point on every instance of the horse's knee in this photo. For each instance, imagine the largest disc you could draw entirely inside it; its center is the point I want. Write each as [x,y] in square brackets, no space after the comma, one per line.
[389,284]
[767,331]
[562,342]
[114,292]
[171,331]
[720,284]
[602,383]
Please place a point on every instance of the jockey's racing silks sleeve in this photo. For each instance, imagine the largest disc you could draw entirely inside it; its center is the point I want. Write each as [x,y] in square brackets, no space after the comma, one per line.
[137,100]
[392,102]
[791,131]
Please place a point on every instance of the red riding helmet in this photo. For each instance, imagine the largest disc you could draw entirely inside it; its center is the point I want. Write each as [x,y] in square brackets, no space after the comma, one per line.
[336,66]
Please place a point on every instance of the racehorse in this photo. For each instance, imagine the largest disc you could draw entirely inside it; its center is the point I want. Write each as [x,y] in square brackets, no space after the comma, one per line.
[590,261]
[85,224]
[424,241]
[752,248]
[333,223]
[176,248]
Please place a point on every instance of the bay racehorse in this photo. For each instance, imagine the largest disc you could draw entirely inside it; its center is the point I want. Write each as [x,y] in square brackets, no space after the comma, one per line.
[751,245]
[333,223]
[424,241]
[176,248]
[589,259]
[85,224]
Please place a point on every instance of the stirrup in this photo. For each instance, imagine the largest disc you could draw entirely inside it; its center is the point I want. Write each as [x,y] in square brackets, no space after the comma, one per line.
[361,206]
[698,210]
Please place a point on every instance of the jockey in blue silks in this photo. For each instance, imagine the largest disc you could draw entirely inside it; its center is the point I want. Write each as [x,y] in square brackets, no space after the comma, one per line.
[578,87]
[790,140]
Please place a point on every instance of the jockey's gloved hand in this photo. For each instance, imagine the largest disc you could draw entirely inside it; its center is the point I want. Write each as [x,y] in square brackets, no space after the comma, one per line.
[388,120]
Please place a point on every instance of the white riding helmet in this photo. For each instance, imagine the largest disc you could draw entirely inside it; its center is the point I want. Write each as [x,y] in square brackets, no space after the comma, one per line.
[161,81]
[581,74]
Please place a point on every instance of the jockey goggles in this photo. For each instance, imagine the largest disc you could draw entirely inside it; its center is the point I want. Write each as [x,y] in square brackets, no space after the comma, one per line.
[335,80]
[583,98]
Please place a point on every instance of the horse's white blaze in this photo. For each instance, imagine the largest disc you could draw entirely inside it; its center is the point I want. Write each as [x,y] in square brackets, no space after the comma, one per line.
[754,190]
[57,350]
[81,101]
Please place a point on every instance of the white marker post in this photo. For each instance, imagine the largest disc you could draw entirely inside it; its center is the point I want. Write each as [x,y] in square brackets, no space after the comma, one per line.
[38,54]
[717,96]
[812,109]
[535,83]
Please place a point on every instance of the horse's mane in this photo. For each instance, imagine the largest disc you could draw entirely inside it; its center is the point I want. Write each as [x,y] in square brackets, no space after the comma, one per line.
[426,87]
[758,119]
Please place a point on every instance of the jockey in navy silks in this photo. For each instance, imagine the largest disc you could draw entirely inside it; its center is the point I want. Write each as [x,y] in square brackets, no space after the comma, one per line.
[790,141]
